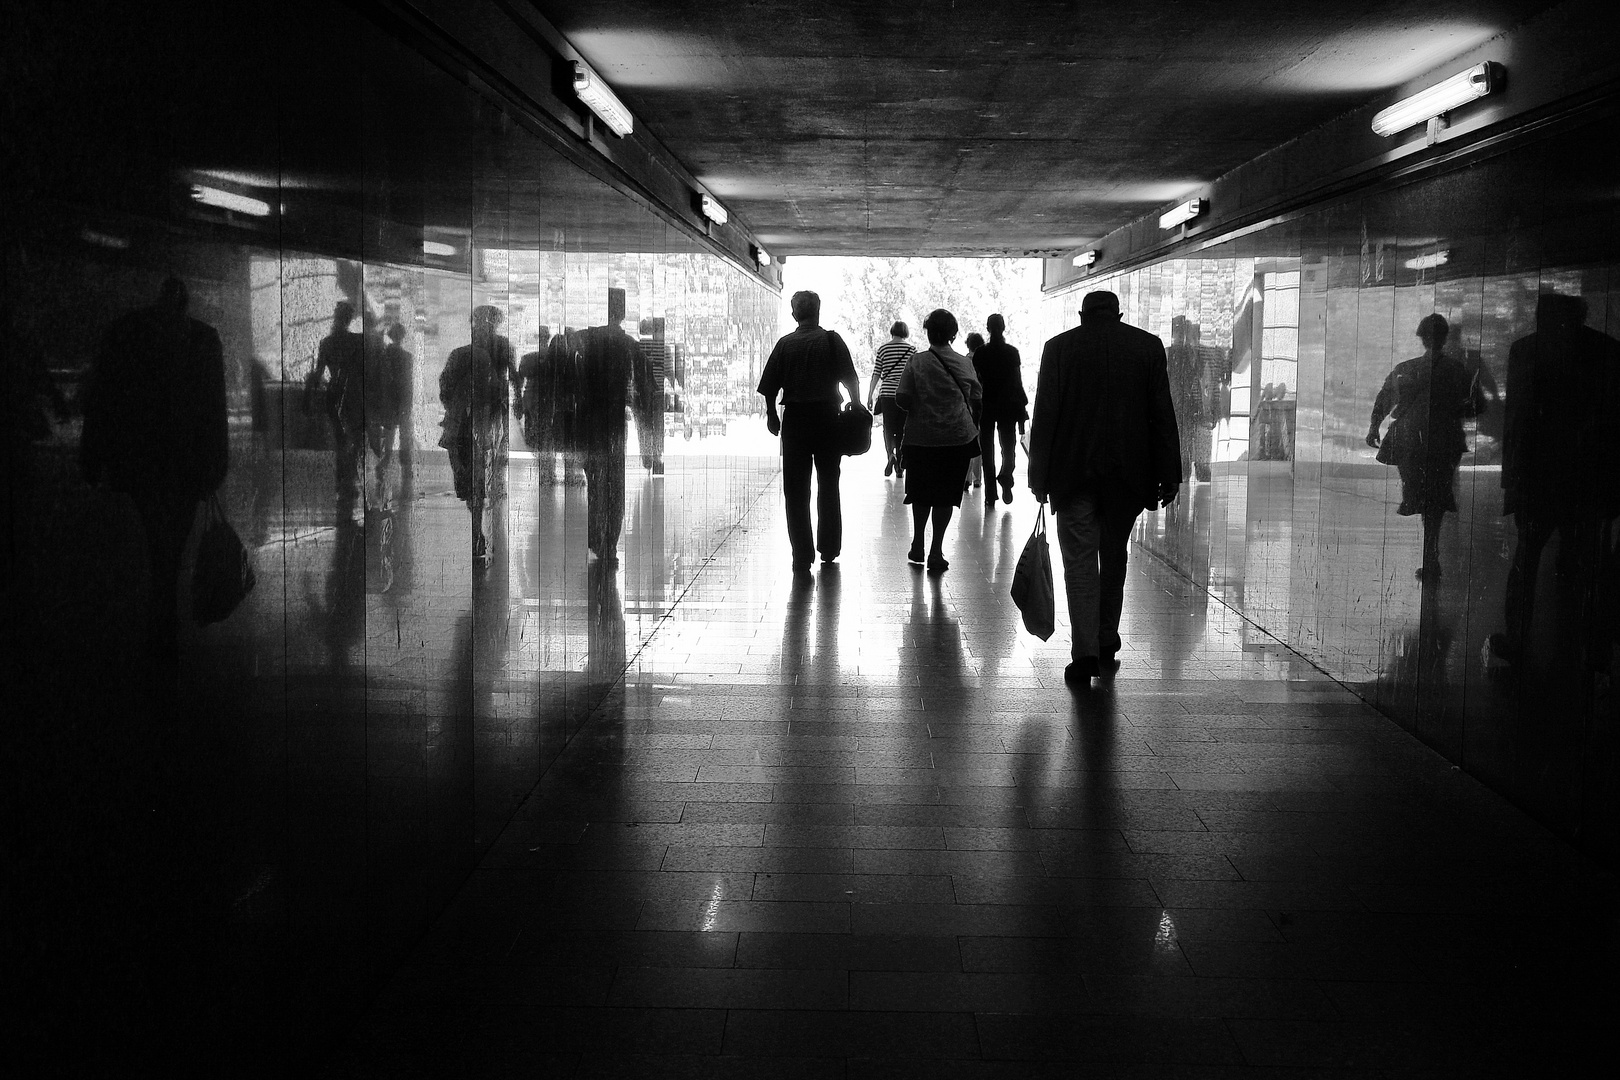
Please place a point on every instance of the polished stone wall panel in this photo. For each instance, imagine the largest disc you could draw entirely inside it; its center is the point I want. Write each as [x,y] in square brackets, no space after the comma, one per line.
[264,815]
[1308,543]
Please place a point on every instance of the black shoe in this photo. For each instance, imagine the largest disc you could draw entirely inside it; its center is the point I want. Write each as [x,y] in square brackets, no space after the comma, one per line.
[888,470]
[938,565]
[1080,673]
[915,555]
[1006,492]
[990,501]
[1107,664]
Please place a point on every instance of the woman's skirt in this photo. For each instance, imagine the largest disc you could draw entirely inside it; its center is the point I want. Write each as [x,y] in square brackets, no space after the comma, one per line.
[935,474]
[1429,485]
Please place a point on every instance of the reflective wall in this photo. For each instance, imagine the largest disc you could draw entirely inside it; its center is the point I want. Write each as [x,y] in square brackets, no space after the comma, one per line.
[1492,636]
[473,416]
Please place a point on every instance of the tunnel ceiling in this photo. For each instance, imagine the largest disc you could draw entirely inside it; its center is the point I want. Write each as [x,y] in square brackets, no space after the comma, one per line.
[971,127]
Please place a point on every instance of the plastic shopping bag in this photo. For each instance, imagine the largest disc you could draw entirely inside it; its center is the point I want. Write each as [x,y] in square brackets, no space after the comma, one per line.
[1032,582]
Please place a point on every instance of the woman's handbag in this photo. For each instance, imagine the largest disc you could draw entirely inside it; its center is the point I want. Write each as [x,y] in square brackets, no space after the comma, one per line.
[852,430]
[1032,582]
[223,575]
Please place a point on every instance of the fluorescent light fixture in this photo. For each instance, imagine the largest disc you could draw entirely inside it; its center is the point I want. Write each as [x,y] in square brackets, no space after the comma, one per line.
[712,209]
[761,256]
[1438,99]
[590,88]
[230,200]
[1183,213]
[1086,258]
[1429,261]
[433,247]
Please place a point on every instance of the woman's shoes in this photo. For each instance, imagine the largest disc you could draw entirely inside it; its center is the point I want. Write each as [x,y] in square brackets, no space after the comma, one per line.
[915,555]
[937,565]
[888,470]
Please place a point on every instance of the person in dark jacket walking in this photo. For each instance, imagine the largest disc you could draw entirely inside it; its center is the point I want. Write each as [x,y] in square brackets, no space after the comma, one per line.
[1103,447]
[476,390]
[1006,405]
[155,427]
[806,368]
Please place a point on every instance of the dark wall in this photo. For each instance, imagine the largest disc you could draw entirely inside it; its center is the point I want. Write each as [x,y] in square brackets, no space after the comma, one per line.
[218,837]
[1501,662]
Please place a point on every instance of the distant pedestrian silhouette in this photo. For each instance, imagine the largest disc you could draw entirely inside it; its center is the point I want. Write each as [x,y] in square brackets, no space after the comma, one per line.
[971,344]
[155,427]
[1429,396]
[892,357]
[1103,446]
[942,397]
[806,368]
[475,388]
[1006,407]
[389,390]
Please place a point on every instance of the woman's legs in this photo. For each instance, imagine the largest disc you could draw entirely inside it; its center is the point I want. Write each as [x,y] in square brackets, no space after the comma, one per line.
[919,522]
[942,519]
[1431,543]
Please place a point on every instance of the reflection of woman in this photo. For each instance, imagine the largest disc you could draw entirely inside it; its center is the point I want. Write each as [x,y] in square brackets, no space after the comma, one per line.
[1428,396]
[475,388]
[941,396]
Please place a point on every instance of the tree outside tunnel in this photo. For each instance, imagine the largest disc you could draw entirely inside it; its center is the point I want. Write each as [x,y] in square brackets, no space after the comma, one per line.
[862,297]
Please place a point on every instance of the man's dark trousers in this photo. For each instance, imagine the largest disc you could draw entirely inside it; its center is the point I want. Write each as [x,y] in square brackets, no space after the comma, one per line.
[1008,430]
[1093,536]
[807,431]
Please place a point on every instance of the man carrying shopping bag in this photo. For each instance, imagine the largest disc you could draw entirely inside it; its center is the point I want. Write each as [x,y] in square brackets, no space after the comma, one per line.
[1103,446]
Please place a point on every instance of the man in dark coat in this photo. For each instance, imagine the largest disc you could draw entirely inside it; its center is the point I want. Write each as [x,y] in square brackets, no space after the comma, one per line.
[155,427]
[1000,372]
[1103,446]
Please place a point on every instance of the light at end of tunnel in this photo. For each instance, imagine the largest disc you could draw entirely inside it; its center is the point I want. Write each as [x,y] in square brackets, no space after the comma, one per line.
[590,89]
[712,209]
[1183,213]
[230,200]
[1086,258]
[433,247]
[1441,98]
[1430,261]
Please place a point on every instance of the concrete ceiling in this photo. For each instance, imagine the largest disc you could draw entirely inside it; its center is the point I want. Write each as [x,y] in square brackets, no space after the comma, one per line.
[979,127]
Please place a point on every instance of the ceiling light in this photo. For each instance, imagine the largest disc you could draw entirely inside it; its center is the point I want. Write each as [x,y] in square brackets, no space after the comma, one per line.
[590,88]
[433,247]
[1183,213]
[1086,258]
[101,239]
[230,200]
[712,209]
[1438,99]
[1430,261]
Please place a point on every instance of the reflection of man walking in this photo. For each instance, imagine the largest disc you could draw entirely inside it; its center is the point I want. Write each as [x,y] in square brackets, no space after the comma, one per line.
[1186,368]
[154,426]
[342,356]
[612,372]
[1561,426]
[1103,446]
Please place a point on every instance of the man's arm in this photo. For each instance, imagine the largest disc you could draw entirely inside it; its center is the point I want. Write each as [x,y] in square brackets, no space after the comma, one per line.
[1043,428]
[844,364]
[770,384]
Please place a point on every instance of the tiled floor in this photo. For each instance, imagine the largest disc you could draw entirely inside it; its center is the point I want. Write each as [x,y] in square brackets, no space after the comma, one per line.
[857,827]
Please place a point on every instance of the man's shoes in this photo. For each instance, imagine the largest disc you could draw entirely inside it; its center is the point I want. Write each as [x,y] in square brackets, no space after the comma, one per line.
[1107,664]
[937,565]
[1079,674]
[1006,491]
[990,501]
[888,470]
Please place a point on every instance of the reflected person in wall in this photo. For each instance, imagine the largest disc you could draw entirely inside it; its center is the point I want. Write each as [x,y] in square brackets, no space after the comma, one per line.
[887,365]
[476,390]
[1559,439]
[806,368]
[155,427]
[1429,397]
[1193,415]
[388,402]
[1104,446]
[530,399]
[942,399]
[602,370]
[342,359]
[1000,371]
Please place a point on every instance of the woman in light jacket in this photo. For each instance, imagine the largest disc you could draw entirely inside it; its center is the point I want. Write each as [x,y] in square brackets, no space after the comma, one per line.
[941,396]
